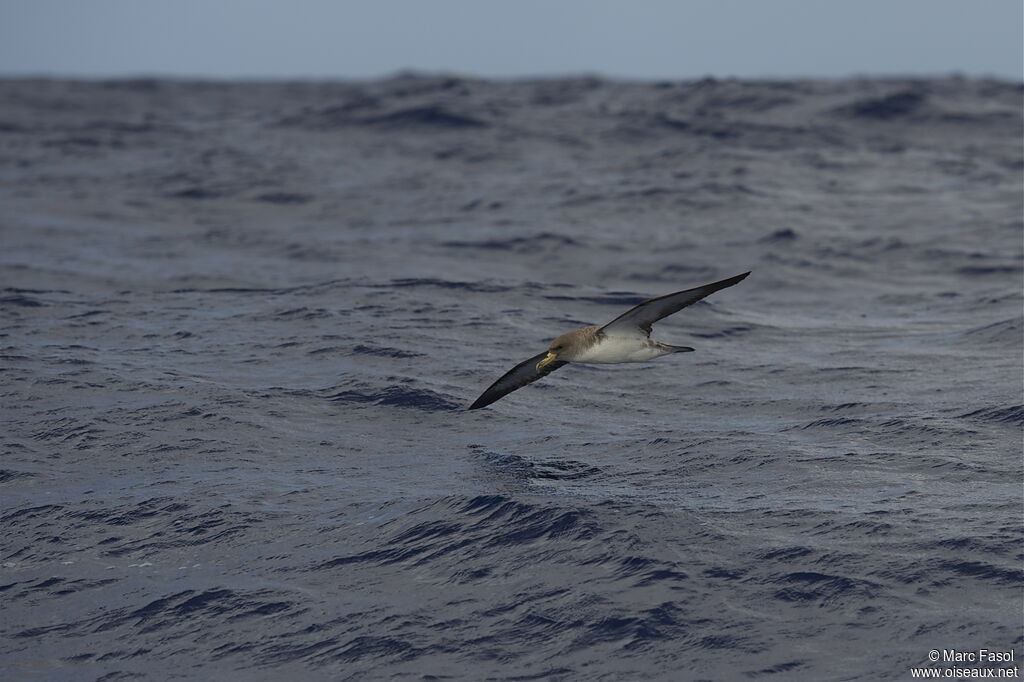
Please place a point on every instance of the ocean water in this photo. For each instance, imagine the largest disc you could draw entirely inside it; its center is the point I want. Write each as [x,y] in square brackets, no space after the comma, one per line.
[242,323]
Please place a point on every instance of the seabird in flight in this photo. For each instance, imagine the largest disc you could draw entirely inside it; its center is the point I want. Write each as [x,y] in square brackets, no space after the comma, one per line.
[627,338]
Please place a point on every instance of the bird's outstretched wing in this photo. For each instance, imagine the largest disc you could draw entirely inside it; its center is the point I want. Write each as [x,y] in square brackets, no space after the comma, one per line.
[649,312]
[524,373]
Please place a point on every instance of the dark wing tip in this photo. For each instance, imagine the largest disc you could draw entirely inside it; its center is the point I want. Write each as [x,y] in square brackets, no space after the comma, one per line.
[725,283]
[478,403]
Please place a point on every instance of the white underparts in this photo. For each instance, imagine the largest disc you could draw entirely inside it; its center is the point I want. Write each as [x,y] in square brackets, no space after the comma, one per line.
[614,349]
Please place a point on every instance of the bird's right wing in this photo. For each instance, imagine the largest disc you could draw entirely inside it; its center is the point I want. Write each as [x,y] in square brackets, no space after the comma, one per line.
[649,312]
[524,373]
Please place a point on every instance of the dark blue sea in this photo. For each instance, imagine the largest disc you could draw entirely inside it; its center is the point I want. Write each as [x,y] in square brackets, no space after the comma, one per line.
[242,322]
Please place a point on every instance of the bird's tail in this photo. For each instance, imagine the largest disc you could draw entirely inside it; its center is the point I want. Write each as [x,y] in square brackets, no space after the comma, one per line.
[677,349]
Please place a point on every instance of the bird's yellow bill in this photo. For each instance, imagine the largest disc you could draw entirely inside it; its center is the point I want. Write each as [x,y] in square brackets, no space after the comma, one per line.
[551,356]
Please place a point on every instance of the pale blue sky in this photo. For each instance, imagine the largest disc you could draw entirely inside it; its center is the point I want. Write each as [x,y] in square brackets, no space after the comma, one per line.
[638,39]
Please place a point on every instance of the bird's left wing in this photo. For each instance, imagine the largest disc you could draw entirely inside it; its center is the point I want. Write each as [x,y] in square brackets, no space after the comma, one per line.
[649,312]
[524,373]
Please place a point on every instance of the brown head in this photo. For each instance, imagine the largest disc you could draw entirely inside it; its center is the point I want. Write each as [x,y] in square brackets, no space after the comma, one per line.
[568,345]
